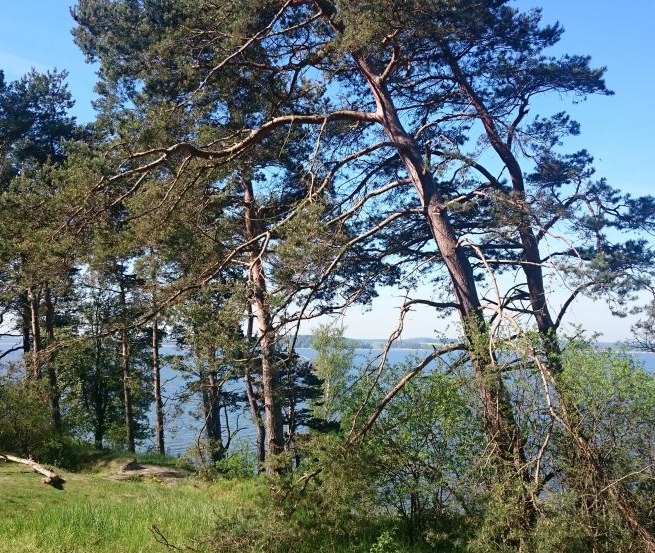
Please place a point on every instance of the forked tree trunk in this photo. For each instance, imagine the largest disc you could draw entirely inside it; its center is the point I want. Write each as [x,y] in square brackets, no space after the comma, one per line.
[42,358]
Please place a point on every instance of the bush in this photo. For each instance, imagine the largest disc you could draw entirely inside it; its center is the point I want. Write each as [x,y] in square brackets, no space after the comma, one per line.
[25,421]
[238,464]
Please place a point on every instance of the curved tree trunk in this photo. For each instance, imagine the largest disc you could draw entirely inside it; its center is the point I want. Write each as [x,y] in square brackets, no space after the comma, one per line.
[619,495]
[502,430]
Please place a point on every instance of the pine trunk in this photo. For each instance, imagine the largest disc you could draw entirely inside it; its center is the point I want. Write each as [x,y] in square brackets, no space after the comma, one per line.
[211,399]
[128,411]
[501,426]
[532,268]
[262,313]
[156,386]
[25,319]
[35,327]
[52,373]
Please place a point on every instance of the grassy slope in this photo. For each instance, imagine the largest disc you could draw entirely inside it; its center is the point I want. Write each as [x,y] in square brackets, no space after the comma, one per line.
[94,514]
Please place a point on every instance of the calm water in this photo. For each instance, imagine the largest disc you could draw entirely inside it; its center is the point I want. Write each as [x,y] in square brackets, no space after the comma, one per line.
[183,420]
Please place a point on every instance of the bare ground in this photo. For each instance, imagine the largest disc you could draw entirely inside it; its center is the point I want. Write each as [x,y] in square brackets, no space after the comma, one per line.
[133,469]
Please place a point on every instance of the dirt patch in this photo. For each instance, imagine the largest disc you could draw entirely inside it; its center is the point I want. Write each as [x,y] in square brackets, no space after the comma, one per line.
[133,469]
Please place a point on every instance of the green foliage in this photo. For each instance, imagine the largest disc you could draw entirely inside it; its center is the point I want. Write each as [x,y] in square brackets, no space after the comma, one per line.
[241,164]
[614,399]
[333,361]
[615,402]
[25,423]
[26,426]
[239,463]
[385,543]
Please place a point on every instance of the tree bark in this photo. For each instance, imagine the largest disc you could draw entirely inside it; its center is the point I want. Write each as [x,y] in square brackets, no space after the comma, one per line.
[99,399]
[51,478]
[126,373]
[211,402]
[156,385]
[25,318]
[34,298]
[50,341]
[256,414]
[127,392]
[262,313]
[253,401]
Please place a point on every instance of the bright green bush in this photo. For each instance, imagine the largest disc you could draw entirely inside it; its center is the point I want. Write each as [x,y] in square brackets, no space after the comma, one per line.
[25,420]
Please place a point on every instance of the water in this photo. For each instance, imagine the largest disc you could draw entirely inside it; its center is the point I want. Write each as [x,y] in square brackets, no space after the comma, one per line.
[184,431]
[183,426]
[183,423]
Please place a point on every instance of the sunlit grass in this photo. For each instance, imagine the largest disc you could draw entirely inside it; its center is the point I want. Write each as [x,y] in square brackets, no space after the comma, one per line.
[96,514]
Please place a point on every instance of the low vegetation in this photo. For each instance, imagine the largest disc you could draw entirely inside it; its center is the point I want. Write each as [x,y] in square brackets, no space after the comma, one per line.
[97,514]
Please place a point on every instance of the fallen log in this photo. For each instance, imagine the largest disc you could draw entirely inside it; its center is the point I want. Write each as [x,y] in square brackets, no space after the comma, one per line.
[50,477]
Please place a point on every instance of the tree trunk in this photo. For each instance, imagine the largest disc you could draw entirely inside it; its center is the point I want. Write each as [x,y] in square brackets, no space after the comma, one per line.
[211,402]
[262,313]
[501,426]
[253,402]
[127,392]
[127,377]
[211,397]
[156,385]
[25,319]
[533,271]
[256,414]
[34,298]
[99,399]
[51,478]
[50,341]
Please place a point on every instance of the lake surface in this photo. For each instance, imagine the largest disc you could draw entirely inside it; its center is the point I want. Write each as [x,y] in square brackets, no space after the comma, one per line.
[184,423]
[183,426]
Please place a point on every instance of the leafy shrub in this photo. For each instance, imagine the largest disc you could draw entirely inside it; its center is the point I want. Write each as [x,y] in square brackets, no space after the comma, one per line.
[238,464]
[25,420]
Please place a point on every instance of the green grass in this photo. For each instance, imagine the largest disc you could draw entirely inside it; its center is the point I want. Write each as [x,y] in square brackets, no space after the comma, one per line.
[94,514]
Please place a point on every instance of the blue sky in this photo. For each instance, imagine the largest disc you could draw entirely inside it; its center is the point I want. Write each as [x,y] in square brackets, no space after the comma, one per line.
[618,130]
[36,33]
